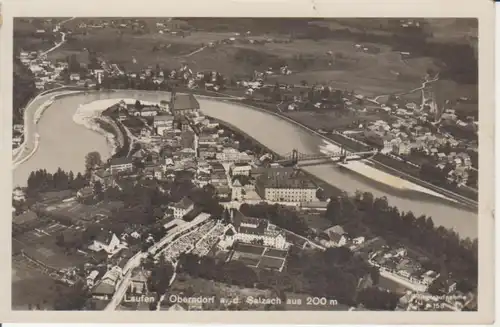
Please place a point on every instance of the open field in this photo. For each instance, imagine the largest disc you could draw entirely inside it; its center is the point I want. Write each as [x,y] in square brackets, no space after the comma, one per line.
[61,54]
[450,90]
[30,286]
[41,244]
[247,248]
[275,253]
[271,263]
[366,82]
[259,256]
[81,212]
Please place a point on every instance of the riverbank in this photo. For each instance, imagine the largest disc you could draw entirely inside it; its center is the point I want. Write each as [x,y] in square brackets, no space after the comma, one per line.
[31,121]
[93,120]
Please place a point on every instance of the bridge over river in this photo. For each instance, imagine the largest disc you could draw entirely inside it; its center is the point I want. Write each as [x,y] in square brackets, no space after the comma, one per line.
[299,159]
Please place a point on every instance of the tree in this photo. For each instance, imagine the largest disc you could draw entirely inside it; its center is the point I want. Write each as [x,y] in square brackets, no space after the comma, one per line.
[92,160]
[138,105]
[159,280]
[98,188]
[438,287]
[60,239]
[375,275]
[376,299]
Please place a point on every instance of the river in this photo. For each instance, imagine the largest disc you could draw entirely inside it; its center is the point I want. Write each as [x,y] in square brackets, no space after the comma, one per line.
[64,143]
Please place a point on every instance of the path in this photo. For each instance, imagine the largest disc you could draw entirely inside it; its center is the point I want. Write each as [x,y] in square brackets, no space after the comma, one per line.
[195,51]
[422,87]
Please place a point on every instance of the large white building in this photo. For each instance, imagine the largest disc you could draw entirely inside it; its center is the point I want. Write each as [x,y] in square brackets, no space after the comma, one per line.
[232,155]
[242,169]
[118,165]
[248,229]
[285,185]
[182,207]
[163,123]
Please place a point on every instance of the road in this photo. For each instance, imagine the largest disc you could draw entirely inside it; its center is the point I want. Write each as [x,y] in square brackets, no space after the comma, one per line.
[63,37]
[134,262]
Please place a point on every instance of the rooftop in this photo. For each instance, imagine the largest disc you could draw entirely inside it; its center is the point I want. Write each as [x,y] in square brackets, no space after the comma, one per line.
[336,229]
[163,118]
[104,237]
[120,161]
[25,217]
[285,178]
[184,203]
[103,288]
[184,102]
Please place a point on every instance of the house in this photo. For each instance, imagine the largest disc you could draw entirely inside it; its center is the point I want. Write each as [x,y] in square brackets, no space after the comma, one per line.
[103,291]
[232,155]
[182,207]
[122,164]
[177,307]
[158,173]
[18,194]
[237,190]
[218,178]
[223,191]
[163,123]
[240,169]
[91,278]
[74,77]
[207,140]
[358,240]
[85,192]
[103,176]
[139,282]
[105,241]
[429,277]
[207,152]
[122,115]
[135,235]
[149,112]
[337,235]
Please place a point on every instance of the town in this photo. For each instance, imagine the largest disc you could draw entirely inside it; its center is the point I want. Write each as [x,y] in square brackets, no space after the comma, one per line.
[190,213]
[418,132]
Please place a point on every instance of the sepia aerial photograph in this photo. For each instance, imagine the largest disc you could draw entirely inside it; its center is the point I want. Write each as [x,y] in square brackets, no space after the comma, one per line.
[250,164]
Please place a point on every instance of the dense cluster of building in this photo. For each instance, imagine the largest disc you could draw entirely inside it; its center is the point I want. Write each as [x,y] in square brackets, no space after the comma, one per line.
[397,264]
[407,135]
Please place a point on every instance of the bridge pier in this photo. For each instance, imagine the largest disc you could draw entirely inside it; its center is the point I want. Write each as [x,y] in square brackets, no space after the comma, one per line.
[295,156]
